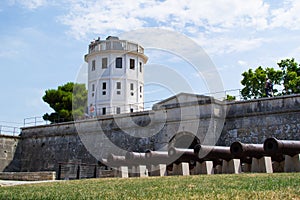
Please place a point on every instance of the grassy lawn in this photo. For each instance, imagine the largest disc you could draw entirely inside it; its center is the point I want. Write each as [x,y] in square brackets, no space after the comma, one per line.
[241,186]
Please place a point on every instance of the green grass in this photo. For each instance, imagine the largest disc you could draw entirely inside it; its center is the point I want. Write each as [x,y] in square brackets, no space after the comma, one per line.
[241,186]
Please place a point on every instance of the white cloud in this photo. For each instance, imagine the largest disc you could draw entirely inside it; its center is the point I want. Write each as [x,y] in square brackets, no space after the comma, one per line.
[101,17]
[287,16]
[228,14]
[106,16]
[192,16]
[230,44]
[221,27]
[242,63]
[198,19]
[30,4]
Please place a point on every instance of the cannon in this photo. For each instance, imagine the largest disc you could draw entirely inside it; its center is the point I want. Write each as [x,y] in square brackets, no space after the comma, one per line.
[136,158]
[213,153]
[114,160]
[241,150]
[272,146]
[157,157]
[221,156]
[179,155]
[247,151]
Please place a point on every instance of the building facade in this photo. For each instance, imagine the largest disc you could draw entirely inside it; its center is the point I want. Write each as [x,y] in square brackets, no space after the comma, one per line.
[115,76]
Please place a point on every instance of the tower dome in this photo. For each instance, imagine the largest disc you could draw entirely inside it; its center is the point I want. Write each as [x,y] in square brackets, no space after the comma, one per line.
[115,76]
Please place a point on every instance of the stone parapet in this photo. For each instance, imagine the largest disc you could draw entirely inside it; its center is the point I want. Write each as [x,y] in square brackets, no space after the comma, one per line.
[28,176]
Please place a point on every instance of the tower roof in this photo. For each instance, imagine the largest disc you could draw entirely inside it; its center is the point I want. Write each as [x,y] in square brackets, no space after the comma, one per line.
[112,38]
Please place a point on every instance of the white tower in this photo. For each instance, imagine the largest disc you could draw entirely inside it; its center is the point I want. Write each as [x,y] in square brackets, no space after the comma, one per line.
[115,76]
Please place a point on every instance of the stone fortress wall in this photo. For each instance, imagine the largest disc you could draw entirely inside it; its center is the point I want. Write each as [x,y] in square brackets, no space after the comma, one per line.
[175,121]
[256,120]
[9,152]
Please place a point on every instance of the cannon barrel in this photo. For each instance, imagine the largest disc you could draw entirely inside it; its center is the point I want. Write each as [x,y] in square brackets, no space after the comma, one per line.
[273,146]
[183,155]
[156,154]
[157,157]
[205,152]
[241,150]
[173,151]
[136,158]
[246,152]
[115,160]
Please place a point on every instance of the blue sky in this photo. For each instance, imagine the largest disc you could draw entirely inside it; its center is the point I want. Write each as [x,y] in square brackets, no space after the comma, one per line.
[43,41]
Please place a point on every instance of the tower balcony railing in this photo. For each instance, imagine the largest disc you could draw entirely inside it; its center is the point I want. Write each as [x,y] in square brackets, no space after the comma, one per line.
[115,45]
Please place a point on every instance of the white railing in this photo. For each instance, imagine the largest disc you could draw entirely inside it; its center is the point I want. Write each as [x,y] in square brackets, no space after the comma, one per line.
[34,121]
[120,45]
[222,95]
[147,105]
[9,130]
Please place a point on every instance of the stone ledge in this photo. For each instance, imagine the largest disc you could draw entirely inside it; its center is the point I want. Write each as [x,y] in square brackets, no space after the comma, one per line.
[28,176]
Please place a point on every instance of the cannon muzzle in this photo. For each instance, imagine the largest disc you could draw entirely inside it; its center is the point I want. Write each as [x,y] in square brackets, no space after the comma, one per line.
[273,146]
[241,150]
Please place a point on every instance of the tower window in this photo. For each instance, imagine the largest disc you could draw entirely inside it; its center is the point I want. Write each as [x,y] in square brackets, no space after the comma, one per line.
[141,66]
[119,62]
[131,88]
[93,87]
[93,65]
[118,110]
[131,110]
[141,88]
[104,111]
[104,88]
[118,85]
[104,63]
[132,63]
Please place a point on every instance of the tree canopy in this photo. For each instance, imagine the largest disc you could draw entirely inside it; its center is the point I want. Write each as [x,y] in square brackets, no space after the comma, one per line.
[68,101]
[288,75]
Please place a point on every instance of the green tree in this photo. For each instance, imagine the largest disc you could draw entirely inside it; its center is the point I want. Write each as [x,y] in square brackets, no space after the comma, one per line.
[254,81]
[68,101]
[230,98]
[291,76]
